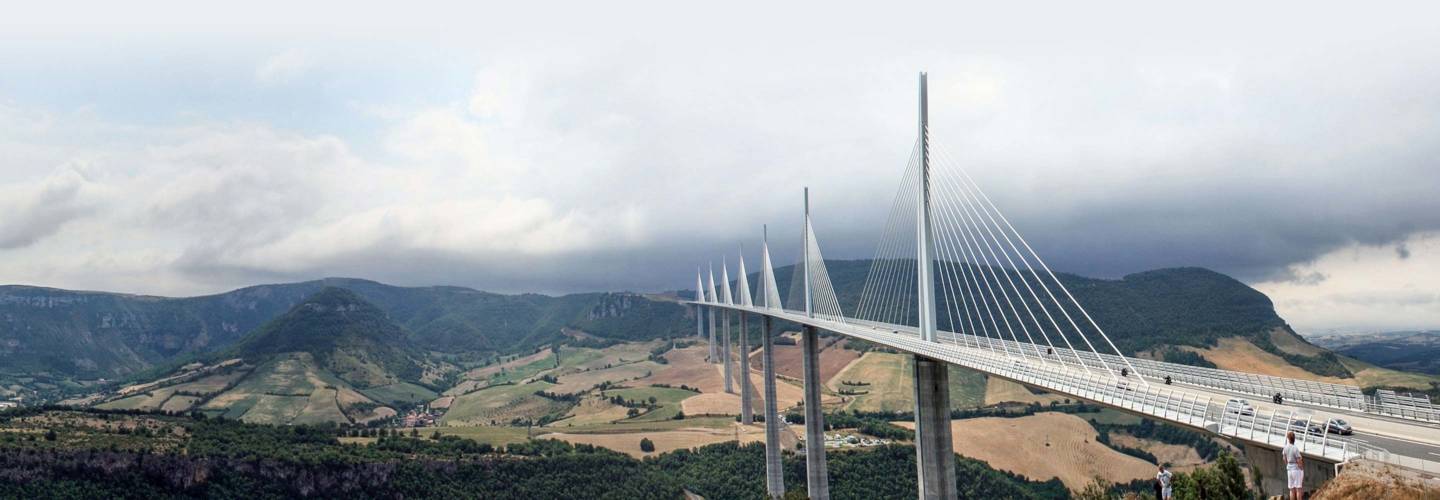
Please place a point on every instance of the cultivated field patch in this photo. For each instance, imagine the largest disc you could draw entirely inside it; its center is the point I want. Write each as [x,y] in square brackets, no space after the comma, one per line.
[1043,446]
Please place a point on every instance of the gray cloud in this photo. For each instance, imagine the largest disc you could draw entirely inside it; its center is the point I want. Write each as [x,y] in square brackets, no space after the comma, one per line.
[40,210]
[600,159]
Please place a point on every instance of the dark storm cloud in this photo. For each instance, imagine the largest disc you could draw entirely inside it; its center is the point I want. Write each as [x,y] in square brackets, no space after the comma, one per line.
[38,212]
[581,154]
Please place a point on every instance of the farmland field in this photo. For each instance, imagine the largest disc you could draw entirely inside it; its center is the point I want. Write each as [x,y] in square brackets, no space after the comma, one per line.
[400,392]
[668,398]
[501,404]
[1043,446]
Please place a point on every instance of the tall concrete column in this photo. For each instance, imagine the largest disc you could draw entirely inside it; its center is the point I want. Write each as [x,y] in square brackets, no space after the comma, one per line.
[817,475]
[725,355]
[935,453]
[774,474]
[714,356]
[746,394]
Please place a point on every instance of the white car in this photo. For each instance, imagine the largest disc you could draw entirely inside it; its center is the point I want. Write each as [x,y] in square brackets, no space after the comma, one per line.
[1239,407]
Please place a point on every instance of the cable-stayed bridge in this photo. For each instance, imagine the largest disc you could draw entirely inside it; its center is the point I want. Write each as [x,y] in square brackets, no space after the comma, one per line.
[954,283]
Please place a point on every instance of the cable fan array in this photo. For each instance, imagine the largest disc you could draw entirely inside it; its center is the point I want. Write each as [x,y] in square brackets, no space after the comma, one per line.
[992,290]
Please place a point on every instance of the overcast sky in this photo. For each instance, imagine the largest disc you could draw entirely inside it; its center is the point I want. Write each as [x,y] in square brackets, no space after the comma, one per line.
[177,149]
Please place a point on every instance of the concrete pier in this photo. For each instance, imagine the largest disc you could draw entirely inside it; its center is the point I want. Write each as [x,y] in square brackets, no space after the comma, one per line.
[747,415]
[714,353]
[817,475]
[725,355]
[774,474]
[934,450]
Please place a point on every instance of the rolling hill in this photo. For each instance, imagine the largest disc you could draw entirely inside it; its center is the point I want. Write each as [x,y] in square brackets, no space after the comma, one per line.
[325,360]
[52,338]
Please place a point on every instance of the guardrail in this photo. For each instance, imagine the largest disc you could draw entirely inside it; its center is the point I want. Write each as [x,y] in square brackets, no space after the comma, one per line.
[1161,402]
[1322,394]
[1387,402]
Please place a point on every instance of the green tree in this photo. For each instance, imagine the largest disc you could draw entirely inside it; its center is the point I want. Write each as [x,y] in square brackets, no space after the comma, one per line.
[646,445]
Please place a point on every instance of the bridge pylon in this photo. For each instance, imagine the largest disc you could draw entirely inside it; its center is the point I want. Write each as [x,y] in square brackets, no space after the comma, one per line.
[747,394]
[817,476]
[774,472]
[935,454]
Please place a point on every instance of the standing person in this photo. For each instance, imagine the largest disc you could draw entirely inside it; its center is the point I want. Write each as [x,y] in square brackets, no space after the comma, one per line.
[1294,467]
[1163,480]
[1159,489]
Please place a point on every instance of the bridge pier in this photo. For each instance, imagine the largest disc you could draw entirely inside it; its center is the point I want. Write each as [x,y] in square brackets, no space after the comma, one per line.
[725,355]
[746,394]
[817,476]
[714,357]
[699,322]
[774,474]
[1271,467]
[935,453]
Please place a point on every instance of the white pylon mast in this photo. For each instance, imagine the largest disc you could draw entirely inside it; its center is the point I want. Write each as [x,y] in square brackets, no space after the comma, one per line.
[743,281]
[725,283]
[714,297]
[924,235]
[809,303]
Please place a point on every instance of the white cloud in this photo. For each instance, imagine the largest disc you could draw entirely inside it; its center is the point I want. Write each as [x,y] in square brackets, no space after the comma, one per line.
[36,210]
[284,67]
[1364,288]
[201,208]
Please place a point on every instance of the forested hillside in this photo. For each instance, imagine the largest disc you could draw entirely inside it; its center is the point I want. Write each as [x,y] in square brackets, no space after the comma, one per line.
[91,454]
[88,335]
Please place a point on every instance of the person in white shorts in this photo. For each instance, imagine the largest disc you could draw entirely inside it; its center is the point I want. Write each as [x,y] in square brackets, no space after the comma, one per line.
[1294,467]
[1164,477]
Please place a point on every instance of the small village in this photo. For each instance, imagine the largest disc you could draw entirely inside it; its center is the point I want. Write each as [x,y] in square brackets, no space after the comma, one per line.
[841,440]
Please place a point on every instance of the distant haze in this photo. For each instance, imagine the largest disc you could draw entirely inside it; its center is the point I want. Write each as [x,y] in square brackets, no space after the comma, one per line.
[176,149]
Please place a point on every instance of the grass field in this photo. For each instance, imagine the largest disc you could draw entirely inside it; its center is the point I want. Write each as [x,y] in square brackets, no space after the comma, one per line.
[287,389]
[998,390]
[1368,375]
[1043,446]
[495,435]
[668,398]
[593,410]
[271,409]
[400,392]
[630,426]
[501,404]
[1240,355]
[585,380]
[889,376]
[664,441]
[789,361]
[687,366]
[891,386]
[967,388]
[1111,416]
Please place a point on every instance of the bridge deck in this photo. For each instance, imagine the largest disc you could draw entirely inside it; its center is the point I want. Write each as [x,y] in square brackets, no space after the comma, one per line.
[1197,409]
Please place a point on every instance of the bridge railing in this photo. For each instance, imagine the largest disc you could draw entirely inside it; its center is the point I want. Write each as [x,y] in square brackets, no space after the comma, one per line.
[1309,392]
[1417,407]
[1162,402]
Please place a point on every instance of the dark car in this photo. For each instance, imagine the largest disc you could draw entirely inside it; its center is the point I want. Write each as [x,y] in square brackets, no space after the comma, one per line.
[1309,427]
[1339,426]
